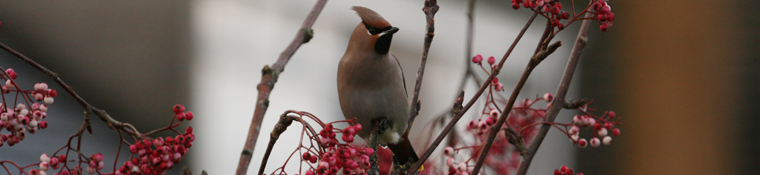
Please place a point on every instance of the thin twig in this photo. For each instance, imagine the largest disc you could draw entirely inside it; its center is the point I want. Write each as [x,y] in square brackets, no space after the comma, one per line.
[431,7]
[559,98]
[485,85]
[268,79]
[534,61]
[468,72]
[468,46]
[126,127]
[279,128]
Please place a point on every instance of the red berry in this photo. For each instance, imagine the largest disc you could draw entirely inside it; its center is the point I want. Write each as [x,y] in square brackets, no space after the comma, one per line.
[178,108]
[52,93]
[43,124]
[603,27]
[350,130]
[610,16]
[491,60]
[306,156]
[11,73]
[189,115]
[490,121]
[615,132]
[477,59]
[180,116]
[313,159]
[515,5]
[133,149]
[608,126]
[582,143]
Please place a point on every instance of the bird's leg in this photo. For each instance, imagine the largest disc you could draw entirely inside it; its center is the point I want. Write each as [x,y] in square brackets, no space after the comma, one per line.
[372,143]
[380,126]
[397,168]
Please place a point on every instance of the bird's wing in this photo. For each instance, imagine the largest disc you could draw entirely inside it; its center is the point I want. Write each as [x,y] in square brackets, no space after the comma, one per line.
[402,74]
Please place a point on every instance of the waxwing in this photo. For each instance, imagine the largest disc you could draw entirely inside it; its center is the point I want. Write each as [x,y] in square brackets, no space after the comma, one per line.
[371,84]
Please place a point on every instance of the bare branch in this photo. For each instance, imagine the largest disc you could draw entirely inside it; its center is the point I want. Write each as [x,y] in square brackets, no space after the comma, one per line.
[431,7]
[268,79]
[559,99]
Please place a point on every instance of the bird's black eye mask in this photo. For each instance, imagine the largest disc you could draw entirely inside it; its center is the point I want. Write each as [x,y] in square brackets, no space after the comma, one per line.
[383,42]
[375,31]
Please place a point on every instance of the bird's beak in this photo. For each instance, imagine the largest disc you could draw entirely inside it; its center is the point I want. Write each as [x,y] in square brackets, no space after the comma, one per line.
[390,31]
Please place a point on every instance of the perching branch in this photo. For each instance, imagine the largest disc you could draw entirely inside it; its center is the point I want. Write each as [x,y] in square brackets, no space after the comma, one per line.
[559,99]
[477,95]
[431,7]
[268,79]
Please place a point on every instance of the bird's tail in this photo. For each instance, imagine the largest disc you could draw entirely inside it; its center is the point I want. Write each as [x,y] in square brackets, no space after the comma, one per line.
[404,151]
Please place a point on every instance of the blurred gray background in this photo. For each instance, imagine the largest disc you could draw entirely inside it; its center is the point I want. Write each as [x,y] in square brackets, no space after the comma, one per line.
[680,73]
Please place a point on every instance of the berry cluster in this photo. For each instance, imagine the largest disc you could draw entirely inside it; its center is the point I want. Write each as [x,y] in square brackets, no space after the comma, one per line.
[552,10]
[149,156]
[455,168]
[521,128]
[351,159]
[564,170]
[603,13]
[20,119]
[47,162]
[180,114]
[492,62]
[503,157]
[96,163]
[156,156]
[602,129]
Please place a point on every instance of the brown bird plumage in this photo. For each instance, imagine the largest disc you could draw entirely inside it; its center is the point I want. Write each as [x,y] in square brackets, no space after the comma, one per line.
[371,83]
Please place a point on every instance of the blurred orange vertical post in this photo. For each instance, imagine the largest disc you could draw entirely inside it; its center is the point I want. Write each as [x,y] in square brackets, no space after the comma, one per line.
[677,83]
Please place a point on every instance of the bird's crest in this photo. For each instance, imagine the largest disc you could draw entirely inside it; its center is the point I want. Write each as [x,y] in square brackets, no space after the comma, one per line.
[371,18]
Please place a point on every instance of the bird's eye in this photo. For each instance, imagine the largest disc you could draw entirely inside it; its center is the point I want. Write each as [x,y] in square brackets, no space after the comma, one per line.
[372,31]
